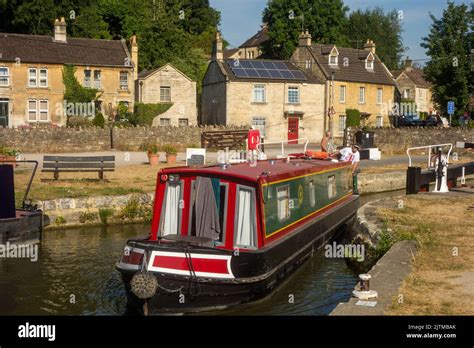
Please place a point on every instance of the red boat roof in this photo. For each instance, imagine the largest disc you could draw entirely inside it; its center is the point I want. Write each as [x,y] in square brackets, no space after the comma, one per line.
[272,170]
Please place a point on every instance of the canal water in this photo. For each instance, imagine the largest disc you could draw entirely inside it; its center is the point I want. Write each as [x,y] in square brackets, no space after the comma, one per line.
[75,275]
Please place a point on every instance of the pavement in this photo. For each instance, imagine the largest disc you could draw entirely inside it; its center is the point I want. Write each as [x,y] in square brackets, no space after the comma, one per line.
[127,158]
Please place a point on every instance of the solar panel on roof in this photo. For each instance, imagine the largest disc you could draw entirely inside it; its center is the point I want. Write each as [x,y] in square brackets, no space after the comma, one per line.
[264,70]
[263,73]
[298,75]
[280,65]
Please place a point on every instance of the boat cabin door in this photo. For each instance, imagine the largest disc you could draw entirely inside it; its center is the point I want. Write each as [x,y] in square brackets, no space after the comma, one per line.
[293,126]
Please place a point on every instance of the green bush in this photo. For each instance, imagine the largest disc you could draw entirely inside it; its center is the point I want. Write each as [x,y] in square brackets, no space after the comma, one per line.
[169,149]
[99,120]
[105,214]
[87,217]
[131,210]
[78,121]
[352,118]
[6,151]
[145,113]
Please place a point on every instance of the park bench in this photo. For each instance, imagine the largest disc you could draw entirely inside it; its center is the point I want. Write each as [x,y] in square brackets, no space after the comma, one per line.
[57,164]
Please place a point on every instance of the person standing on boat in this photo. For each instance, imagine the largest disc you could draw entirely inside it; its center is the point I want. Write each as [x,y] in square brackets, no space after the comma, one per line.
[326,144]
[351,154]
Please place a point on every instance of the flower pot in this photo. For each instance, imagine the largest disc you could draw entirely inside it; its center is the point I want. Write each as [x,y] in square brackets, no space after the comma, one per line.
[170,158]
[153,158]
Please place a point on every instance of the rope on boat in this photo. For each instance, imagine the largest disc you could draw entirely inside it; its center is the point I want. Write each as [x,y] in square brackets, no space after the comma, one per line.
[194,288]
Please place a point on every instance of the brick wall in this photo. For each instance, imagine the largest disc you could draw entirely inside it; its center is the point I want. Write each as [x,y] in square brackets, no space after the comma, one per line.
[51,140]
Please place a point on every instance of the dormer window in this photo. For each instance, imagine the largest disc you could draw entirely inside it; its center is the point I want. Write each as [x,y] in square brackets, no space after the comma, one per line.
[333,56]
[369,62]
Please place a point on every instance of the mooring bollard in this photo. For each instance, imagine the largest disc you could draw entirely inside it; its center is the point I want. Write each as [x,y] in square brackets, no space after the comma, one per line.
[365,293]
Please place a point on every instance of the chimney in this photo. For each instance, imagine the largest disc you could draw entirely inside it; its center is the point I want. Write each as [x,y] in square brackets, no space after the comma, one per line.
[304,39]
[217,48]
[134,53]
[60,30]
[369,46]
[408,64]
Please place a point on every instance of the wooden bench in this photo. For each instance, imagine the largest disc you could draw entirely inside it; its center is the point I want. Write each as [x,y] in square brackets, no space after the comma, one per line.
[57,164]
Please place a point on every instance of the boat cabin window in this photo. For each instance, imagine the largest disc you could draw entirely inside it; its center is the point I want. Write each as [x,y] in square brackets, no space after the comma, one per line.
[245,234]
[332,190]
[312,194]
[208,210]
[283,198]
[171,211]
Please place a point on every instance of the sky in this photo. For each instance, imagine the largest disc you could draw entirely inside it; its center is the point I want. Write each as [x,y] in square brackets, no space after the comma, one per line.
[240,19]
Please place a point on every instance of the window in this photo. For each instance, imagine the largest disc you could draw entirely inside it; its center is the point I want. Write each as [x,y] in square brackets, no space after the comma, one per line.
[342,124]
[309,64]
[259,93]
[283,201]
[38,110]
[37,77]
[379,122]
[87,78]
[342,94]
[332,59]
[124,80]
[312,194]
[171,212]
[245,225]
[183,122]
[369,63]
[332,189]
[43,77]
[259,123]
[293,95]
[97,79]
[406,93]
[379,96]
[361,95]
[165,94]
[165,122]
[32,77]
[4,76]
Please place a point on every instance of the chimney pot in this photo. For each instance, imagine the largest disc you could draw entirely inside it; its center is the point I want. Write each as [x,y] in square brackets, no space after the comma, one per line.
[369,46]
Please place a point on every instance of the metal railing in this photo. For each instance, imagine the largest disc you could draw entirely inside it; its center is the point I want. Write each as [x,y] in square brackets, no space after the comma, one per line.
[282,145]
[429,147]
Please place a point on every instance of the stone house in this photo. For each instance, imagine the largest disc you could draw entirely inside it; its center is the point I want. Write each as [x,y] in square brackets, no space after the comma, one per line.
[31,75]
[169,85]
[250,49]
[277,97]
[411,84]
[353,79]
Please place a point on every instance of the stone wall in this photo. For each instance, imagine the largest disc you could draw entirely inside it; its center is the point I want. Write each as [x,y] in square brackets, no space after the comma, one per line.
[55,140]
[397,140]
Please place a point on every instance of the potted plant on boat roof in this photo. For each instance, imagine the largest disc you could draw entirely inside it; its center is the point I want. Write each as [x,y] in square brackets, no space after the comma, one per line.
[171,153]
[8,154]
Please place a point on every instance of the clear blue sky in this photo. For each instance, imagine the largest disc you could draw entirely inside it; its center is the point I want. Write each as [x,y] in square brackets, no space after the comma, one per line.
[242,18]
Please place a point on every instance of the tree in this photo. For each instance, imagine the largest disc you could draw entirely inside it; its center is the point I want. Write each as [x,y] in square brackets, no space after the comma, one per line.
[325,20]
[448,44]
[384,29]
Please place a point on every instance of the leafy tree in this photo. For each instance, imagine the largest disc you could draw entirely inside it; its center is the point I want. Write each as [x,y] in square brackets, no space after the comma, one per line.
[448,44]
[325,20]
[89,23]
[384,29]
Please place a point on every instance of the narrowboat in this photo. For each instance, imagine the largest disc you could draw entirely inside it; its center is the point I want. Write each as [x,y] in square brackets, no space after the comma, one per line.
[18,225]
[224,235]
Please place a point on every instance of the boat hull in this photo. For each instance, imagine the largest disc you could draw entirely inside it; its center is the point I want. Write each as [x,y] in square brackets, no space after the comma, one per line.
[25,228]
[251,275]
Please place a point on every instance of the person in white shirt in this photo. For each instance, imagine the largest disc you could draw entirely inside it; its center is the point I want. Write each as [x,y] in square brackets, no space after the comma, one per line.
[351,154]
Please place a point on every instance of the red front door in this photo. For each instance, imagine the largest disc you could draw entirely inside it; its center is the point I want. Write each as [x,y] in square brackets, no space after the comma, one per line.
[293,125]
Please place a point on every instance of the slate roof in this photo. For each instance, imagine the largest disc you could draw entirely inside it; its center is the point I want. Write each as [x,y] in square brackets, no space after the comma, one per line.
[416,75]
[77,51]
[260,37]
[355,70]
[310,78]
[230,52]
